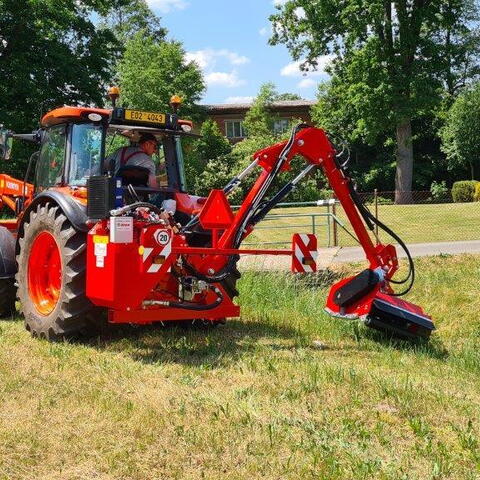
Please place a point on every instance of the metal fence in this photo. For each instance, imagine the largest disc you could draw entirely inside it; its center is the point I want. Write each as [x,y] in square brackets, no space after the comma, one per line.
[424,219]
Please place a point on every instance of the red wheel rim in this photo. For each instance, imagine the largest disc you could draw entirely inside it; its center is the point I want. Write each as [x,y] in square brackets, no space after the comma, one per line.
[44,273]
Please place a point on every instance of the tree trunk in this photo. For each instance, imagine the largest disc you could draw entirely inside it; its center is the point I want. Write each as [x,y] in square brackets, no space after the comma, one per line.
[404,174]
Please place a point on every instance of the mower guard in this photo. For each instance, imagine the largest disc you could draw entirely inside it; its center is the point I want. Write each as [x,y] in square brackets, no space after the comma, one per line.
[399,317]
[361,297]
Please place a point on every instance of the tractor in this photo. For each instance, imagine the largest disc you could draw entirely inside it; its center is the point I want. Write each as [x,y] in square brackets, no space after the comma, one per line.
[90,243]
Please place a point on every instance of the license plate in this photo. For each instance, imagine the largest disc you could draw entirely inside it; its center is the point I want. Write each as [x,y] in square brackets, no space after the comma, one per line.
[145,117]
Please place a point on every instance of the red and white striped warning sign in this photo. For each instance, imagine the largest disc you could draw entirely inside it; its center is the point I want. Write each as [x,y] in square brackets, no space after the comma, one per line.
[304,253]
[153,263]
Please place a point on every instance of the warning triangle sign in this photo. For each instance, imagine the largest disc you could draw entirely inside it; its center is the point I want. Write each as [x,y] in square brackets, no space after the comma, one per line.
[216,213]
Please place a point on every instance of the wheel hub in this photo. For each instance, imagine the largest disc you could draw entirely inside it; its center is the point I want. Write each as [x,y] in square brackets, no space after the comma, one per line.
[44,273]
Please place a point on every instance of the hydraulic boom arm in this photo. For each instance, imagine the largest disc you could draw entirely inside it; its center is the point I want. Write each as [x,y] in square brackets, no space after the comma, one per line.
[368,295]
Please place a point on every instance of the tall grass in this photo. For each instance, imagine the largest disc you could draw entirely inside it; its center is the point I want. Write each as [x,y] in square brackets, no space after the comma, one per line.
[255,398]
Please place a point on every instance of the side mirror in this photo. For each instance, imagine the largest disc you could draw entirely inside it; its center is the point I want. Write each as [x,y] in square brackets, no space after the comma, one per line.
[6,141]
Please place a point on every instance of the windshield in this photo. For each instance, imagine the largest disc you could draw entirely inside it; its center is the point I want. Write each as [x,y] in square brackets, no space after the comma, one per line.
[85,153]
[115,142]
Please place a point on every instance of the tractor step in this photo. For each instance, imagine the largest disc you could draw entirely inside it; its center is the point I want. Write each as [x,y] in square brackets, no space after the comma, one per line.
[399,317]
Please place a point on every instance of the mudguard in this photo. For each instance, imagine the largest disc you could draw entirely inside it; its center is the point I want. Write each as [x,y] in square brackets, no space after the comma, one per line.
[73,210]
[8,266]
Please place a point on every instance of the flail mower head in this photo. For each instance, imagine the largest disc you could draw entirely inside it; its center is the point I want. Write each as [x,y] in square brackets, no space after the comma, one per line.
[361,296]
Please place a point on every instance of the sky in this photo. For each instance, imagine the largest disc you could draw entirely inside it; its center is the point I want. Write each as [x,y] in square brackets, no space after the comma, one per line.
[229,41]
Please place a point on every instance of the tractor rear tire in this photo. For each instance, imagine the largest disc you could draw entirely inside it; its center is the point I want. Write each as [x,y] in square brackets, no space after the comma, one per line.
[51,276]
[8,293]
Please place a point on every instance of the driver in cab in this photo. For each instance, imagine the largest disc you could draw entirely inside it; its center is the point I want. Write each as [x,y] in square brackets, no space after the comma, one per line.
[136,156]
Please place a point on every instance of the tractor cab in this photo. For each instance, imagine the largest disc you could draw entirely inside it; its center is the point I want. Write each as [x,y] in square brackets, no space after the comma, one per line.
[77,143]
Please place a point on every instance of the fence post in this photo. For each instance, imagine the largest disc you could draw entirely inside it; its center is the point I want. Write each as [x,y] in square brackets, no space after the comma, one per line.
[335,232]
[329,226]
[375,196]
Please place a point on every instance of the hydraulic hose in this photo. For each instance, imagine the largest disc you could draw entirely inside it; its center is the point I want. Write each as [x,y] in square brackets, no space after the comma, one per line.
[194,306]
[223,274]
[120,211]
[369,219]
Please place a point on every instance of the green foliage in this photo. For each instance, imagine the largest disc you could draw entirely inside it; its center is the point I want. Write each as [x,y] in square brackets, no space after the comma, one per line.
[460,135]
[129,17]
[464,191]
[391,61]
[212,144]
[439,190]
[151,72]
[51,53]
[201,163]
[288,96]
[476,195]
[258,120]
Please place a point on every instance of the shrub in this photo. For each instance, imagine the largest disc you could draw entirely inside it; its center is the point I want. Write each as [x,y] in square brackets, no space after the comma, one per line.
[476,195]
[439,190]
[464,191]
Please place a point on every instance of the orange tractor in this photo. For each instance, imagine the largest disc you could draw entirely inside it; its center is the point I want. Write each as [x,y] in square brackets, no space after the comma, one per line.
[89,241]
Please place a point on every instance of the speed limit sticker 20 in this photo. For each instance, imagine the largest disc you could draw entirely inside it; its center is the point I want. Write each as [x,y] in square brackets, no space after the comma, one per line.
[163,237]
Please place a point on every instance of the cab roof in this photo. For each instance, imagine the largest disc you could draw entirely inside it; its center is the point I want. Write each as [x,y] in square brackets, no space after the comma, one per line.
[72,114]
[66,114]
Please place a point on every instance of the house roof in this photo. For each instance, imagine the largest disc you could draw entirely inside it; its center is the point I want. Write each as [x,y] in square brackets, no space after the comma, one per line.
[241,107]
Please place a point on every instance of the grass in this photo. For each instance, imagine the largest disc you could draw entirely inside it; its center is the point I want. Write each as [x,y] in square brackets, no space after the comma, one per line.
[446,222]
[255,398]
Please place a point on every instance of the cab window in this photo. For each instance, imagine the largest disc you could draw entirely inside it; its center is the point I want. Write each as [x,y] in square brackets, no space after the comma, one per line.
[85,153]
[52,155]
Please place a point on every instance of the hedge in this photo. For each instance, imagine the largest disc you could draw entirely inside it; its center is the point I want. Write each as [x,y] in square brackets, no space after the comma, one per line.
[464,191]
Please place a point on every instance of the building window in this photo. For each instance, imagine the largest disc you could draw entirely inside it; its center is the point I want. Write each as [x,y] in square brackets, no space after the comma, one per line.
[281,126]
[235,129]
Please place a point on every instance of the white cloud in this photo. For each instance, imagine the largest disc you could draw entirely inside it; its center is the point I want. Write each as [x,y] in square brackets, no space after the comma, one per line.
[234,58]
[278,3]
[263,31]
[224,79]
[306,83]
[293,68]
[200,57]
[238,100]
[166,6]
[207,60]
[208,57]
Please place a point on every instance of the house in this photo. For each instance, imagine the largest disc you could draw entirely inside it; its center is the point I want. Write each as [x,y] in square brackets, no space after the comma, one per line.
[230,117]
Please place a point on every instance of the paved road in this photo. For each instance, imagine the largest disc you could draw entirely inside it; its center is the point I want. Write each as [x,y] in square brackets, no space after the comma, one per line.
[329,256]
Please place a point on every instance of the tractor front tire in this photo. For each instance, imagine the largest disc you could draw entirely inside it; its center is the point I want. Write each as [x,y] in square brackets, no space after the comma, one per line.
[51,276]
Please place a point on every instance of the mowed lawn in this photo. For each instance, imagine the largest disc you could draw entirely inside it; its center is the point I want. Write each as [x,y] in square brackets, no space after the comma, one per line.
[414,223]
[256,398]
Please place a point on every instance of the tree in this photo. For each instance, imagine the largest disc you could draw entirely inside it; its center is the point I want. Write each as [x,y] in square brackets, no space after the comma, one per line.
[151,72]
[258,120]
[128,17]
[460,136]
[389,64]
[201,152]
[51,53]
[288,96]
[212,144]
